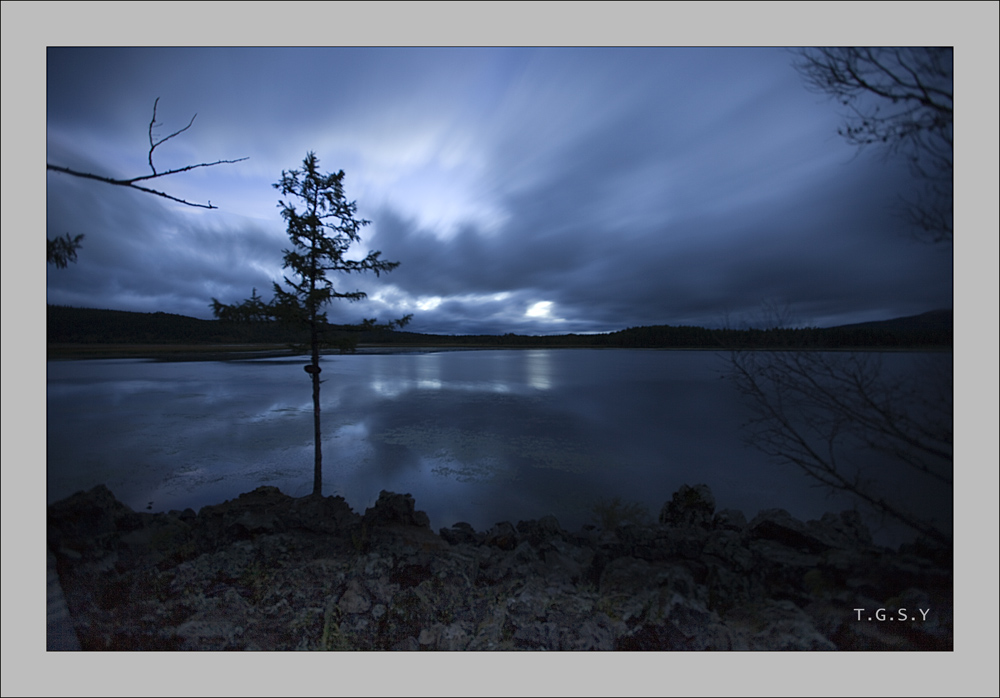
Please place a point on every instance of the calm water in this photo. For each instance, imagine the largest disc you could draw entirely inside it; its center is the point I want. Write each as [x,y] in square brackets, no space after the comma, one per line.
[476,436]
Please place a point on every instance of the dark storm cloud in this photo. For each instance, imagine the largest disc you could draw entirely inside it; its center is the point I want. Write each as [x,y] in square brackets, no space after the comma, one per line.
[620,233]
[533,191]
[720,268]
[143,255]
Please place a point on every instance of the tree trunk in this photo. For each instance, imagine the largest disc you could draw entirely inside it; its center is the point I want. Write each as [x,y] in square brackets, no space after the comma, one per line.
[318,468]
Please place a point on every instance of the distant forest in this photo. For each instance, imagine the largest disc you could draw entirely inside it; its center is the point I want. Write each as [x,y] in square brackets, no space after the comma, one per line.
[82,326]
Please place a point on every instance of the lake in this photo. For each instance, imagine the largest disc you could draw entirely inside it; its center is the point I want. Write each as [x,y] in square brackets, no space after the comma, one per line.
[476,436]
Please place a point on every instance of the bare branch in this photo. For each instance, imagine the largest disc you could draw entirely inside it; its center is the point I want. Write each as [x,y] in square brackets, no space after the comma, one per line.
[173,198]
[152,145]
[809,408]
[131,182]
[901,99]
[183,169]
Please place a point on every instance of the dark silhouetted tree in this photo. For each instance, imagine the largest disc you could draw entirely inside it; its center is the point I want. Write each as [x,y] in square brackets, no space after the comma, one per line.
[898,98]
[815,409]
[60,253]
[253,309]
[322,226]
[820,411]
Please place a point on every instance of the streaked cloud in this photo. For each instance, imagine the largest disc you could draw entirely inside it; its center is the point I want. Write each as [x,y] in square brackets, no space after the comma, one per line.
[523,190]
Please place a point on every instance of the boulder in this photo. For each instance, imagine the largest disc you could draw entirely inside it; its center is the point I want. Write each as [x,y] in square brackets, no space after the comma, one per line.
[461,532]
[779,526]
[541,531]
[730,520]
[323,514]
[391,508]
[88,522]
[503,535]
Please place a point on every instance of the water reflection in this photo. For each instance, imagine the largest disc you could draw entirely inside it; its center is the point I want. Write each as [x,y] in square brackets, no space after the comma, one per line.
[496,372]
[479,436]
[539,369]
[429,368]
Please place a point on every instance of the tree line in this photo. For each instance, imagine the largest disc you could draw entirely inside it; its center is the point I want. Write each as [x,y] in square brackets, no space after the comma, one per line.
[94,326]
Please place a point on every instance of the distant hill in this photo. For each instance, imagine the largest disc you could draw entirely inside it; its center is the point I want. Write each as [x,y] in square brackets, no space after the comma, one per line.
[67,325]
[79,326]
[933,320]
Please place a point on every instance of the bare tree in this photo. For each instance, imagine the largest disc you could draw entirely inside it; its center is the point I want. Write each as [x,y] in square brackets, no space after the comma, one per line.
[901,99]
[63,250]
[819,410]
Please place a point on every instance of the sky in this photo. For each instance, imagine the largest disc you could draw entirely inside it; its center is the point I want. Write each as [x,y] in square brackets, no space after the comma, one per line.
[527,190]
[246,227]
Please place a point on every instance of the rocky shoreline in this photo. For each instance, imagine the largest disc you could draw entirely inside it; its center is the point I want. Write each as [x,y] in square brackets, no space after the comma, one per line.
[267,571]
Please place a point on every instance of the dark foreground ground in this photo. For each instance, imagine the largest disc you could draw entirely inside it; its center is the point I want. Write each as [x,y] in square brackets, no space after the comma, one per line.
[269,572]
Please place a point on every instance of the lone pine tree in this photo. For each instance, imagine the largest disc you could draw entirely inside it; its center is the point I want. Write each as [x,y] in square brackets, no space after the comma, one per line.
[322,226]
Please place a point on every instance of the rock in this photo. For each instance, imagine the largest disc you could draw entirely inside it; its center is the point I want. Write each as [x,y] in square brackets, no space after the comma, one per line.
[407,644]
[262,511]
[786,627]
[354,599]
[497,564]
[438,636]
[597,632]
[323,514]
[393,508]
[778,525]
[540,636]
[267,571]
[730,520]
[461,532]
[564,562]
[844,530]
[631,589]
[679,623]
[503,536]
[162,536]
[541,531]
[87,522]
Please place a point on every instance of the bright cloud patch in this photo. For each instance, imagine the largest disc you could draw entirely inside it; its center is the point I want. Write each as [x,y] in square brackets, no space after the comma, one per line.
[429,303]
[541,309]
